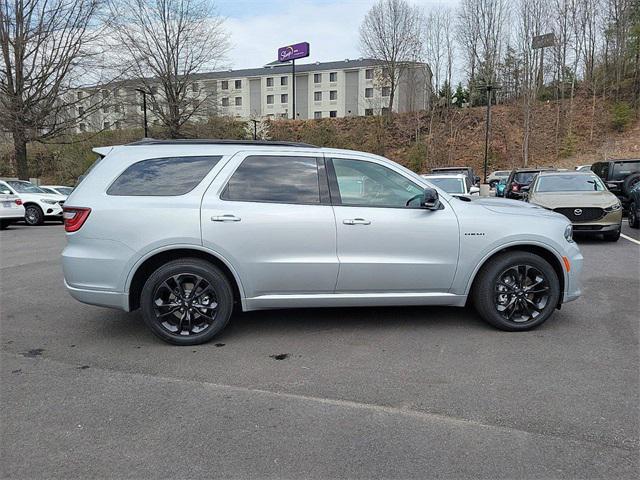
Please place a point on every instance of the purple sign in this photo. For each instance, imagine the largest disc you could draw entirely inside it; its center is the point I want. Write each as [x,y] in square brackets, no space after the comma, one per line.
[299,50]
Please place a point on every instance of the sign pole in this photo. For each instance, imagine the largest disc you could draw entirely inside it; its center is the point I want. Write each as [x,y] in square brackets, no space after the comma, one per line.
[290,53]
[293,79]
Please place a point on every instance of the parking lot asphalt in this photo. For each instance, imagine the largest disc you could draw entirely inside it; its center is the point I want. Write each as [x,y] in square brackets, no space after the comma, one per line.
[333,393]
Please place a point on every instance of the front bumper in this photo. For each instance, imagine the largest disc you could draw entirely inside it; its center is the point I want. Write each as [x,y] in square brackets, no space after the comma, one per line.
[573,281]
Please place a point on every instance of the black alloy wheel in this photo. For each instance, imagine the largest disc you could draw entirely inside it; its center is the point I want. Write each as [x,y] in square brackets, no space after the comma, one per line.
[521,293]
[516,291]
[187,301]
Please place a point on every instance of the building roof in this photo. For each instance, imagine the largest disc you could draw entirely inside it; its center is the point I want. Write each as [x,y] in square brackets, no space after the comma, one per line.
[285,68]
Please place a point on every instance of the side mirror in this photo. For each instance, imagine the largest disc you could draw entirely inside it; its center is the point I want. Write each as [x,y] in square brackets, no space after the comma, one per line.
[525,188]
[430,199]
[474,191]
[476,179]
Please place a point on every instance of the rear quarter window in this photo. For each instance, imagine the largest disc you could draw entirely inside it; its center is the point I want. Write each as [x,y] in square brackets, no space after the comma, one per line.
[168,176]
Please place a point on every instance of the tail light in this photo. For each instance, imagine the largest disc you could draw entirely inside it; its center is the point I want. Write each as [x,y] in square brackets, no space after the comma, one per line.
[515,187]
[74,217]
[18,201]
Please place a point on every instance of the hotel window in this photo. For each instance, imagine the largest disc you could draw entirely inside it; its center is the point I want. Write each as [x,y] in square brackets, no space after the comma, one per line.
[79,95]
[284,81]
[385,110]
[368,112]
[333,77]
[333,95]
[317,96]
[225,85]
[238,101]
[368,74]
[107,125]
[269,99]
[284,98]
[238,84]
[194,87]
[333,113]
[225,101]
[105,109]
[386,91]
[83,127]
[317,115]
[269,81]
[317,77]
[80,110]
[368,93]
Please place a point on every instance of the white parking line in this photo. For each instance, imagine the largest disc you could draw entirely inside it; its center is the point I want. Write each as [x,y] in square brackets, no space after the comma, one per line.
[630,239]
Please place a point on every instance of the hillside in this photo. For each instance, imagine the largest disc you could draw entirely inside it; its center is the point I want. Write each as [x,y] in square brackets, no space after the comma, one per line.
[457,136]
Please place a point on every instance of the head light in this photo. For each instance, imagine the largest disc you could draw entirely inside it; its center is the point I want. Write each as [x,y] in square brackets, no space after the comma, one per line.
[48,201]
[568,233]
[613,208]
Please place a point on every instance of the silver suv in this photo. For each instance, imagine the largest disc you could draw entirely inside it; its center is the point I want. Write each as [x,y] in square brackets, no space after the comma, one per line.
[185,230]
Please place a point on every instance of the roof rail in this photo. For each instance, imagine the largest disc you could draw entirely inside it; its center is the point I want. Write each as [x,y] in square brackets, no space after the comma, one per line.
[202,141]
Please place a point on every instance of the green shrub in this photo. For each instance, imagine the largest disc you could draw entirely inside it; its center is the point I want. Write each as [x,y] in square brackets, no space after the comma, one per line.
[416,157]
[621,116]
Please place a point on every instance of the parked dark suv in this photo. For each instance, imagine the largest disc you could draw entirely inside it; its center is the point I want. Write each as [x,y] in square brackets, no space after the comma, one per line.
[620,176]
[519,178]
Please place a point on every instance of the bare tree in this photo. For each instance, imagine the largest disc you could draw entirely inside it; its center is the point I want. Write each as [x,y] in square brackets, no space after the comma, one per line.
[48,49]
[482,29]
[165,43]
[532,21]
[391,33]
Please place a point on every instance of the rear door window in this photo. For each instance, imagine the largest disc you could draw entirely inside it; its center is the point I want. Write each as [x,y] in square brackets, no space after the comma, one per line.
[169,176]
[622,169]
[276,179]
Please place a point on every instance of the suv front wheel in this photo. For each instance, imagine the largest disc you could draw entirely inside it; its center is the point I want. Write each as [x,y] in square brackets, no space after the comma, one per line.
[187,301]
[516,291]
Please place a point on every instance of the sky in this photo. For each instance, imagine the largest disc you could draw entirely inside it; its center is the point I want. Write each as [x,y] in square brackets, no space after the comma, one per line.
[258,27]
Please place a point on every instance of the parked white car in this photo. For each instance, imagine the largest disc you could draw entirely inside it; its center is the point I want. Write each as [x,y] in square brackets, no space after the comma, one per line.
[57,189]
[11,208]
[455,185]
[38,205]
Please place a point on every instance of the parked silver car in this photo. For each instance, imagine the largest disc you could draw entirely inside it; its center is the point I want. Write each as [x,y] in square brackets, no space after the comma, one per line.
[186,229]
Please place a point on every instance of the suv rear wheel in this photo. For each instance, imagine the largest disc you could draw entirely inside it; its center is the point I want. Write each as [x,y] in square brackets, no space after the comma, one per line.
[187,301]
[516,291]
[634,221]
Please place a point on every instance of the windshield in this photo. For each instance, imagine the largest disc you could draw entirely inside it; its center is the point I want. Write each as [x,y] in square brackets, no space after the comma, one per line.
[24,187]
[449,185]
[65,190]
[622,169]
[524,178]
[570,183]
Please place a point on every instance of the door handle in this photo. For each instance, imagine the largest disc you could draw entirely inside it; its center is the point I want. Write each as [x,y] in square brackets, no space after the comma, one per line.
[225,218]
[356,221]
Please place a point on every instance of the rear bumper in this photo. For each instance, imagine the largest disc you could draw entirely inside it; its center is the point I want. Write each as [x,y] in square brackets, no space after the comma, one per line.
[101,298]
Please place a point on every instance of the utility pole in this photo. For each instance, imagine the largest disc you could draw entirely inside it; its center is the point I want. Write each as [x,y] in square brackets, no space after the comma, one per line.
[144,108]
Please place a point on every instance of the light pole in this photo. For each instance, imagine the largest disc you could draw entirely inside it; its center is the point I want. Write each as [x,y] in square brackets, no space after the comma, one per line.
[144,108]
[488,87]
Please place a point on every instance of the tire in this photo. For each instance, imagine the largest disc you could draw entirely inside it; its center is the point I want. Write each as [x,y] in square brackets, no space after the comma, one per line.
[634,221]
[490,291]
[167,285]
[33,215]
[629,183]
[4,224]
[613,236]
